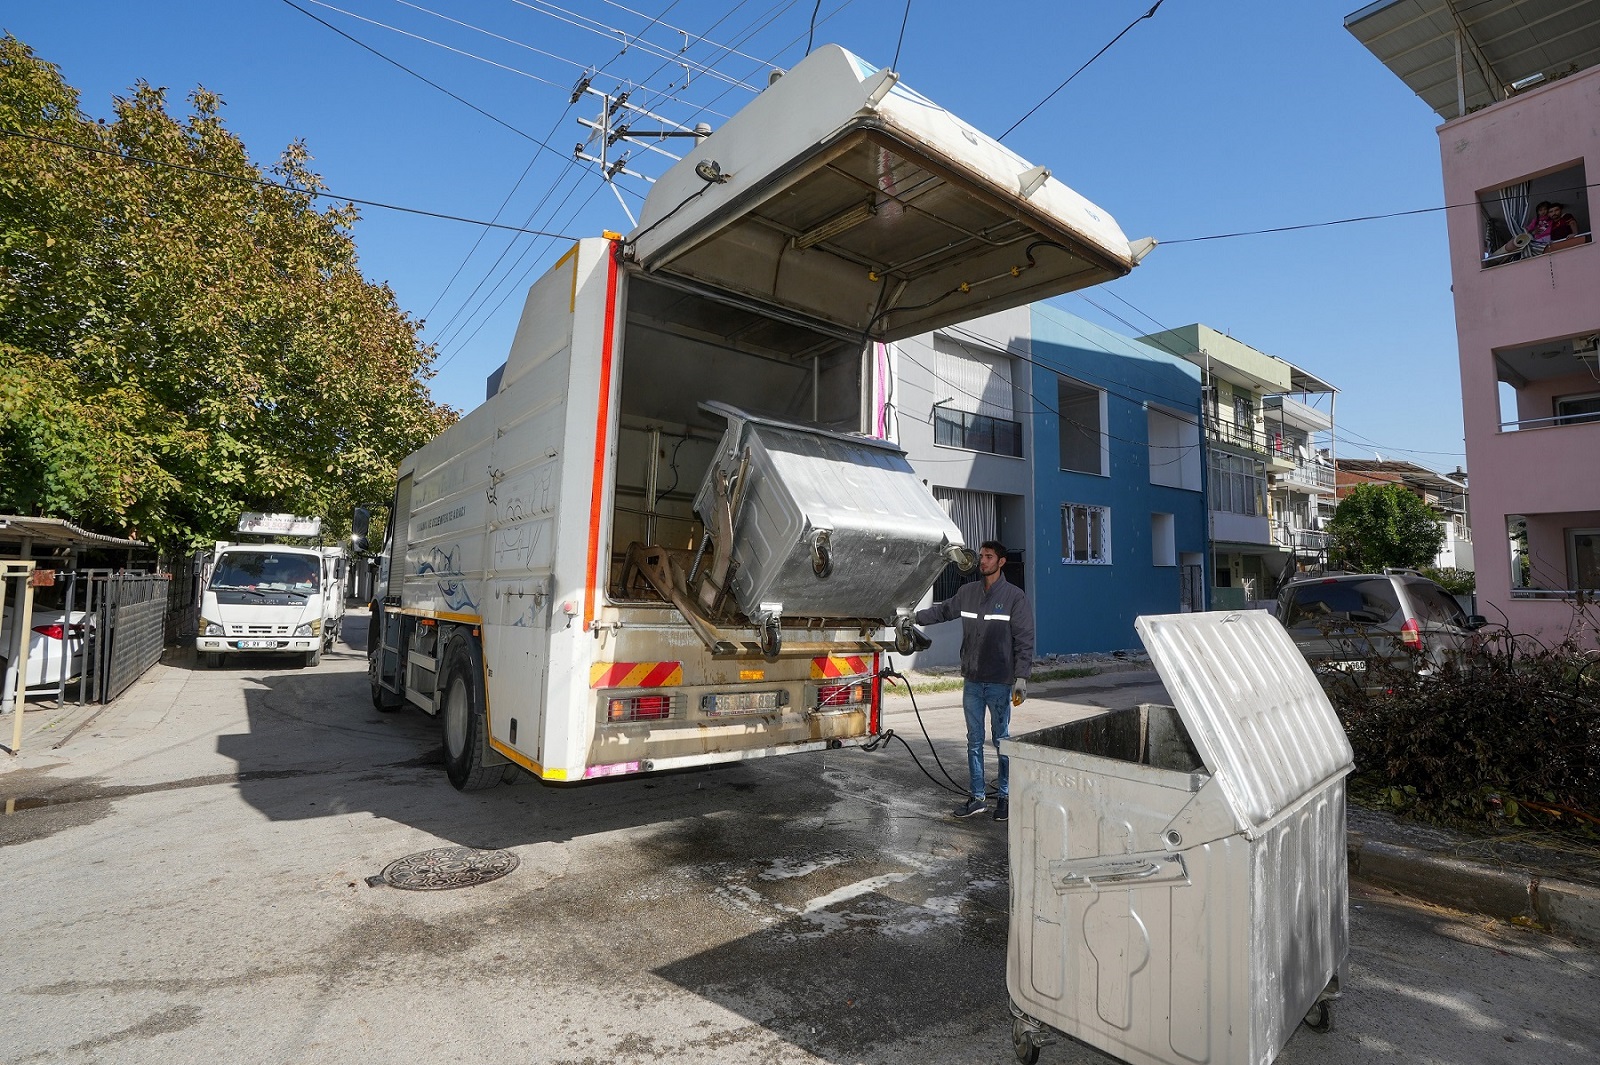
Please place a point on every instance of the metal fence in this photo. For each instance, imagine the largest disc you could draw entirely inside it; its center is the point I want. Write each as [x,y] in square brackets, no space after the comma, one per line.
[127,628]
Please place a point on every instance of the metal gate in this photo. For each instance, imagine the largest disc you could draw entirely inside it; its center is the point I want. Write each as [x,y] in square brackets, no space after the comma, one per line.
[128,623]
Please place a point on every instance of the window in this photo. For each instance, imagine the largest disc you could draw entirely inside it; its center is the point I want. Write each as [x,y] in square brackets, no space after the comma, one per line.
[1367,601]
[1570,410]
[1583,558]
[1244,410]
[1163,540]
[1174,449]
[1510,216]
[976,432]
[978,412]
[1238,485]
[1082,425]
[1085,534]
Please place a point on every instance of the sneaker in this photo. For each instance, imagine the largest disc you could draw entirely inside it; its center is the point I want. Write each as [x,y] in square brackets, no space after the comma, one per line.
[970,807]
[1002,809]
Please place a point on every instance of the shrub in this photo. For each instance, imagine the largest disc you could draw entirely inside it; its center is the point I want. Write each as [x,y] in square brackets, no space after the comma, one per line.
[1507,736]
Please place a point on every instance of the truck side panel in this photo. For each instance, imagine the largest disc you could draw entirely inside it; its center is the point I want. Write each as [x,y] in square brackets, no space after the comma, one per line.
[583,518]
[530,470]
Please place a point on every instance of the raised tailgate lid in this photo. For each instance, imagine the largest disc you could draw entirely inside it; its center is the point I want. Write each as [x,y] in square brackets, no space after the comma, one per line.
[1259,720]
[854,202]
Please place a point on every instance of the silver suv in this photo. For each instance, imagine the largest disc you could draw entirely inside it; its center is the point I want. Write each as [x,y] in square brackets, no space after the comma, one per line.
[1347,625]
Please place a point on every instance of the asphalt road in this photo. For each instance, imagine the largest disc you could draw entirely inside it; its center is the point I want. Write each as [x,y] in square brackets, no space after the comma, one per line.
[185,880]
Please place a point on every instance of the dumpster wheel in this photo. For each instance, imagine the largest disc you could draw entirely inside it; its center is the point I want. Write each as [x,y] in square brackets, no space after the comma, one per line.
[1023,1042]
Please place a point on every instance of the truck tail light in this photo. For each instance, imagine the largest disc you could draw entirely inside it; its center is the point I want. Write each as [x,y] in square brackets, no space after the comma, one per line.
[835,696]
[639,708]
[1411,634]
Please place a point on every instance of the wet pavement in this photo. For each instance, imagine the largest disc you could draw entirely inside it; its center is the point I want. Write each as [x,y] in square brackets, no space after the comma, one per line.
[189,881]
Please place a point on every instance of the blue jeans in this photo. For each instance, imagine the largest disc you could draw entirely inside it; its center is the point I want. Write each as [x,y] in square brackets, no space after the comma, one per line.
[975,697]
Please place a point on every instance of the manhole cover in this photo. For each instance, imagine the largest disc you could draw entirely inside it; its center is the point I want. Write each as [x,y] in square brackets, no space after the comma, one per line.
[447,868]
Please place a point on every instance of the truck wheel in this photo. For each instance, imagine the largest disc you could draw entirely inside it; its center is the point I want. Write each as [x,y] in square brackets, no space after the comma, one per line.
[314,658]
[462,720]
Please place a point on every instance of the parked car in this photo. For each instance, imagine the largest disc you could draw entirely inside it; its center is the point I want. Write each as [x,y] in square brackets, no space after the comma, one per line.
[53,644]
[1349,625]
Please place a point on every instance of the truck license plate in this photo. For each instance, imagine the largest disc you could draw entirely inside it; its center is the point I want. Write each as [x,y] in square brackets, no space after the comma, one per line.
[1356,665]
[257,645]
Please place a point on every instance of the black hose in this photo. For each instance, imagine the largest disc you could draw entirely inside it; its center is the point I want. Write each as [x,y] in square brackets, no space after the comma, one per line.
[883,737]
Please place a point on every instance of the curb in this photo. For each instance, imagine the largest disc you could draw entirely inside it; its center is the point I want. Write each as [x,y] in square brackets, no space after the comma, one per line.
[1570,909]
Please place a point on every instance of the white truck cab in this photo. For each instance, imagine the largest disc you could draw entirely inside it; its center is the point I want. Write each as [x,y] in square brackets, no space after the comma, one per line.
[270,598]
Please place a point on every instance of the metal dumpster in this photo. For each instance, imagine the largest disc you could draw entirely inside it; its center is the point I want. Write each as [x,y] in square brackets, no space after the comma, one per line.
[830,525]
[1178,883]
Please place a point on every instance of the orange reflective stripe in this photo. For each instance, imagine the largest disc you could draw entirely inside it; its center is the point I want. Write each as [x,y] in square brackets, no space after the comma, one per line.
[636,674]
[845,666]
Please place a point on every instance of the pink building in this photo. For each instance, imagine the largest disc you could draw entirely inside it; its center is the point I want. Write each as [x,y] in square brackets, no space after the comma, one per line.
[1518,88]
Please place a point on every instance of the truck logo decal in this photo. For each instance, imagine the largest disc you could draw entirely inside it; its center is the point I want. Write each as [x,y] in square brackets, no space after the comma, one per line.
[441,519]
[636,674]
[442,565]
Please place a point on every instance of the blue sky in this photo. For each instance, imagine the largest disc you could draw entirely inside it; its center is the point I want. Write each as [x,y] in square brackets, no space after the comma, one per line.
[1209,118]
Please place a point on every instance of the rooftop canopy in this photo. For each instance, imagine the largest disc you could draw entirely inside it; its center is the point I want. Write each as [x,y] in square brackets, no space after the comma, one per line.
[54,532]
[1460,55]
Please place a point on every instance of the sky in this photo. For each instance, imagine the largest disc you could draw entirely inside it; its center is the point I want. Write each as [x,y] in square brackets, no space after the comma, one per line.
[1208,118]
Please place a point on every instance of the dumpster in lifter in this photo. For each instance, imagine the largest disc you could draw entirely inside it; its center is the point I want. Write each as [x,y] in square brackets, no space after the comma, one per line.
[1178,882]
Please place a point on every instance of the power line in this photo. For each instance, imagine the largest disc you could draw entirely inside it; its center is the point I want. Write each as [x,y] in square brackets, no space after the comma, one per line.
[395,62]
[895,64]
[258,180]
[1075,73]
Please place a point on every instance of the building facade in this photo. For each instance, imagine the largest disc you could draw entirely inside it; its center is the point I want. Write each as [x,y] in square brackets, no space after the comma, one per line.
[1518,109]
[1269,441]
[1075,447]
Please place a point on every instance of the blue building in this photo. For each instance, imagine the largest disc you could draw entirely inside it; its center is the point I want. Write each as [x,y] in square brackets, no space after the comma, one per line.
[1119,506]
[1076,447]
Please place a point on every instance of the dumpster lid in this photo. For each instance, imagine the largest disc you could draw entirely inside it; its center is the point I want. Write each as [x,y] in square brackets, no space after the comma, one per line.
[1257,716]
[842,196]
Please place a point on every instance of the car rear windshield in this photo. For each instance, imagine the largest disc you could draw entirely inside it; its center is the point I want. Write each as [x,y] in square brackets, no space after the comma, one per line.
[1433,603]
[1372,602]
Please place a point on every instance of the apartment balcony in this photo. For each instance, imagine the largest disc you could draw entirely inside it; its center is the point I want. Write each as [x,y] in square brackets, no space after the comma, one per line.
[1301,541]
[1261,441]
[1307,477]
[1293,412]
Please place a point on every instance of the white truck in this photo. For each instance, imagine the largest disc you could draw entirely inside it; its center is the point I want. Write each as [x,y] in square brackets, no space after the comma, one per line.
[668,537]
[271,598]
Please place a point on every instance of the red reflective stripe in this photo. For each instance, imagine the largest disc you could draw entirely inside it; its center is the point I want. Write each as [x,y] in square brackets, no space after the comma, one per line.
[659,675]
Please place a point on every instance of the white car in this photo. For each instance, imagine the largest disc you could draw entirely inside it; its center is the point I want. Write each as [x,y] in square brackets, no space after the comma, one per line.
[53,644]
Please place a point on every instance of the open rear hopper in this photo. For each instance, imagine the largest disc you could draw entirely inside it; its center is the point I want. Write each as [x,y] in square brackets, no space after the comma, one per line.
[843,197]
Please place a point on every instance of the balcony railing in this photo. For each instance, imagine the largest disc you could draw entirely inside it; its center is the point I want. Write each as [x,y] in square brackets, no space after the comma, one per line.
[1553,593]
[976,432]
[1546,423]
[1310,473]
[1496,257]
[1299,539]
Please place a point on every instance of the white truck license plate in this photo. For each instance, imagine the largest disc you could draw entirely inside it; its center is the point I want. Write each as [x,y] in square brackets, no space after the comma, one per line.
[253,645]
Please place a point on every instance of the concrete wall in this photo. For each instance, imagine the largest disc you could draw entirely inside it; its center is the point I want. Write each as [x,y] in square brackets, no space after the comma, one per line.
[1540,131]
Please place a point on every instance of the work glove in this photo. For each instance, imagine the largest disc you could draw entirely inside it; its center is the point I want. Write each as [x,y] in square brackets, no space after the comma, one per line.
[1019,691]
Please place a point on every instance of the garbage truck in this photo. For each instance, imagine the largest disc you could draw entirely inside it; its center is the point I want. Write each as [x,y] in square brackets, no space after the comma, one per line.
[669,537]
[263,596]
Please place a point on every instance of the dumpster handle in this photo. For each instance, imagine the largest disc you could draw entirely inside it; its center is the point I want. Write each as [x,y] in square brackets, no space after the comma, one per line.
[1122,870]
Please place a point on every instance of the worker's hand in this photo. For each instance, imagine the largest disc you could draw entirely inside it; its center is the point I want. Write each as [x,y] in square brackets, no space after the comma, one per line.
[1019,691]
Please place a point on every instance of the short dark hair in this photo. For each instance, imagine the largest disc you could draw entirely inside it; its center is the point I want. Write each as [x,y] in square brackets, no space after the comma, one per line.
[994,545]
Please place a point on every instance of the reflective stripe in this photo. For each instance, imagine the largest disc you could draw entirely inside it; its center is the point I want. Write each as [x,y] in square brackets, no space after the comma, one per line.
[968,614]
[998,617]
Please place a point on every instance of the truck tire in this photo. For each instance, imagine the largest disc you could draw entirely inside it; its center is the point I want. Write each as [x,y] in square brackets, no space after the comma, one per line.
[314,658]
[462,721]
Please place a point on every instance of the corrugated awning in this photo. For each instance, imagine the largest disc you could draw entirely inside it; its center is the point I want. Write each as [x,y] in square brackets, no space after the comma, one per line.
[56,532]
[1501,42]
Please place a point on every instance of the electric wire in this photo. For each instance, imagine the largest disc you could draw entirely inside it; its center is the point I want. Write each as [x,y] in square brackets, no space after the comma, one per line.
[895,63]
[310,193]
[420,77]
[578,21]
[1148,14]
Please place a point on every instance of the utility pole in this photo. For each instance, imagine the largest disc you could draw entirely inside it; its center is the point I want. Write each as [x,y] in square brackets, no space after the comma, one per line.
[615,122]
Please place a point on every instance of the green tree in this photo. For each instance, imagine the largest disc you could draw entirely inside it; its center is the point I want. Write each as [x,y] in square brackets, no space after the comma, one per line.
[181,340]
[1378,526]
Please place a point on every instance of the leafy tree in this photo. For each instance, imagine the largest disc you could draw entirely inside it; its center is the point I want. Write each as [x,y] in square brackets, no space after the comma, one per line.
[181,339]
[1453,580]
[1378,526]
